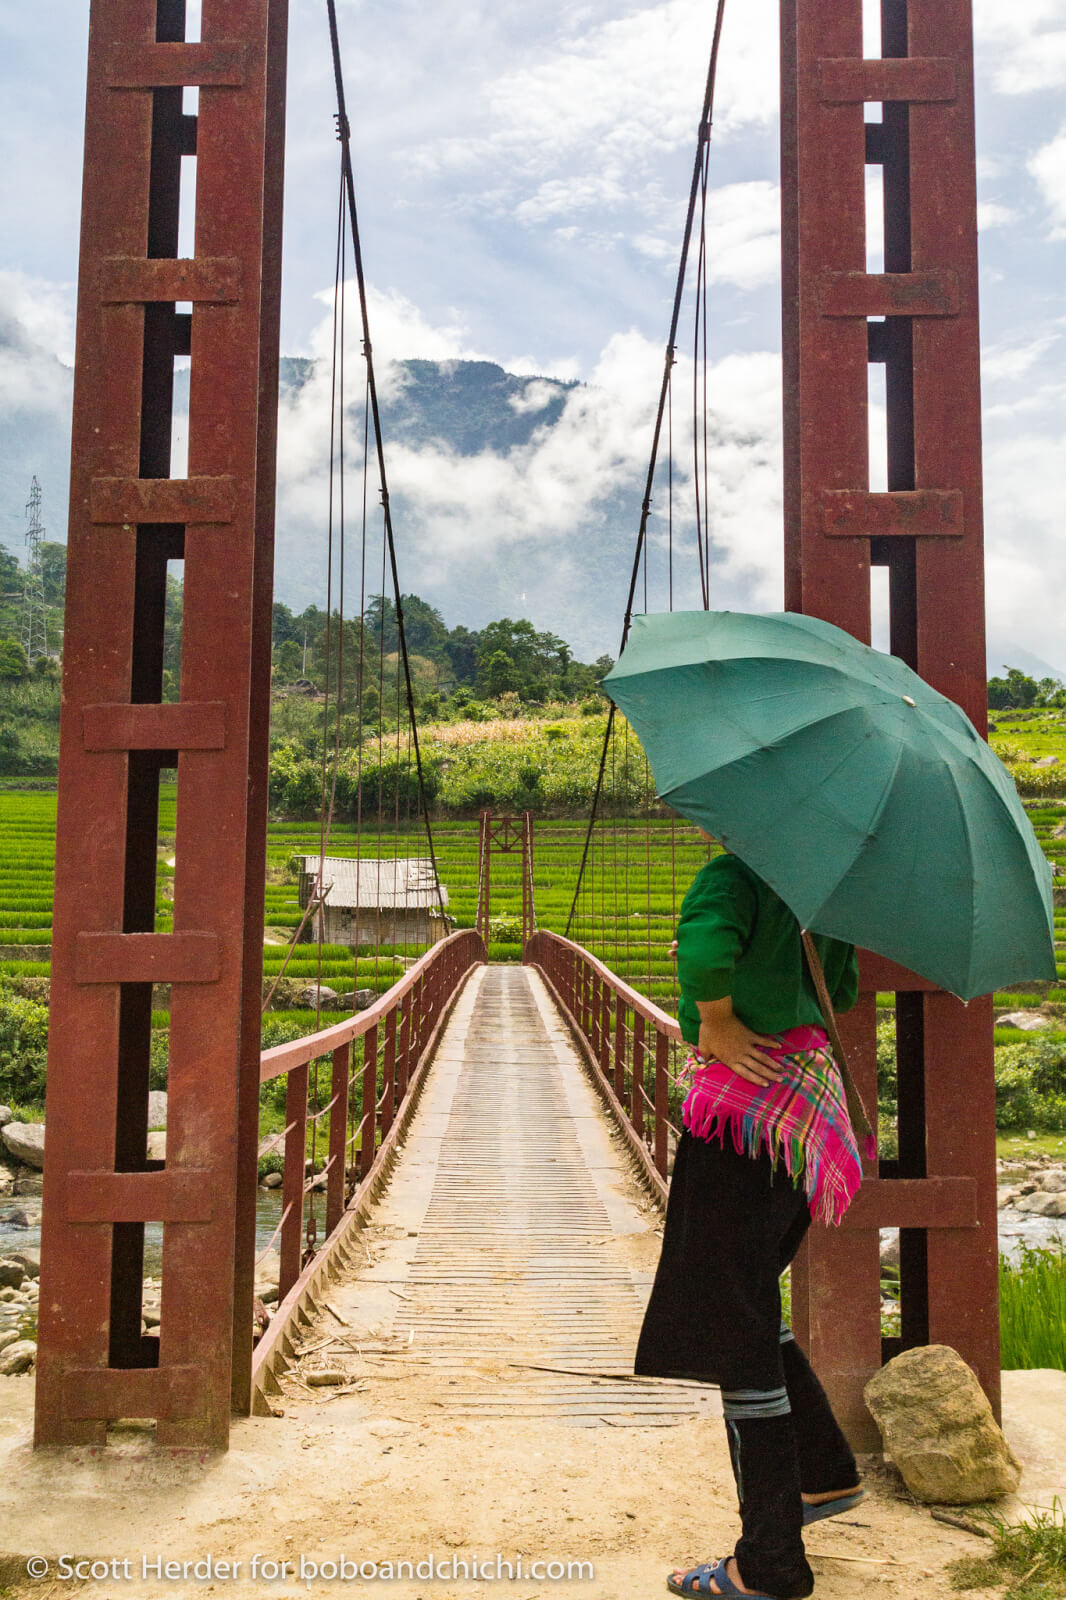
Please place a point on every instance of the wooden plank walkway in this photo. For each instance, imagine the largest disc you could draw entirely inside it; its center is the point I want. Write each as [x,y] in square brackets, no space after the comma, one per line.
[510,1259]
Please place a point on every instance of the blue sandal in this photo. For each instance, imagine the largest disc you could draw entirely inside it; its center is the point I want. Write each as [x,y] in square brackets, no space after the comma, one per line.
[831,1508]
[702,1576]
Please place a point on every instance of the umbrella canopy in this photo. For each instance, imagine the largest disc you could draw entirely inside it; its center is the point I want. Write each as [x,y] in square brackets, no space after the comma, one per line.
[867,800]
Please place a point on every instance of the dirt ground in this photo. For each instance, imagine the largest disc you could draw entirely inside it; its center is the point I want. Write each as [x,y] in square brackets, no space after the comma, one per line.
[383,1469]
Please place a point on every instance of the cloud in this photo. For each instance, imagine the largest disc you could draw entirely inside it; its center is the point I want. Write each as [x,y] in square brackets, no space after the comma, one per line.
[990,214]
[564,506]
[583,127]
[1048,167]
[1022,46]
[36,343]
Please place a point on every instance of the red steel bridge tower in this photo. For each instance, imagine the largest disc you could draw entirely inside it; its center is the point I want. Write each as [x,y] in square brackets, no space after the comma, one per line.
[914,315]
[140,307]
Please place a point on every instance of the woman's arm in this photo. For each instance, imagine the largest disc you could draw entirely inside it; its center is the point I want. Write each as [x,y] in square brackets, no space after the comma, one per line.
[725,1038]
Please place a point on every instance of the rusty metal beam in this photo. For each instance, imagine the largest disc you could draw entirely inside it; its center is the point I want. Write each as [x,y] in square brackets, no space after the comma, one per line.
[129,517]
[927,529]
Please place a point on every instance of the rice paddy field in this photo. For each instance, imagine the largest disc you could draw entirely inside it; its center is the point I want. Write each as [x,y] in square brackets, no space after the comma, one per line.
[636,873]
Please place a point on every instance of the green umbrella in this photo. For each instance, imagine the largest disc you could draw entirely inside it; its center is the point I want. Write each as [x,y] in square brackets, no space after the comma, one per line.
[865,798]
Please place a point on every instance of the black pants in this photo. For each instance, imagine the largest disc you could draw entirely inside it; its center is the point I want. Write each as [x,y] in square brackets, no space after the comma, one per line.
[733,1223]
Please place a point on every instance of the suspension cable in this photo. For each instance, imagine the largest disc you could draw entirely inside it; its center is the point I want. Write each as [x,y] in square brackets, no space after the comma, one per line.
[344,135]
[698,181]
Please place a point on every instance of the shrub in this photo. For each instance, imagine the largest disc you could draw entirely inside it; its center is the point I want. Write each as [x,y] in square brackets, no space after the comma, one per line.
[1031,1085]
[23,1048]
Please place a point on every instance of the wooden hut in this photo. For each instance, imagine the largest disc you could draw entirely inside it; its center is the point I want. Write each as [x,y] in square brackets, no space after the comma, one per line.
[367,901]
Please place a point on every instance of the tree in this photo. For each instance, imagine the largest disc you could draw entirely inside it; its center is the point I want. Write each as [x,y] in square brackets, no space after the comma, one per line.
[1017,692]
[461,649]
[497,674]
[54,572]
[13,660]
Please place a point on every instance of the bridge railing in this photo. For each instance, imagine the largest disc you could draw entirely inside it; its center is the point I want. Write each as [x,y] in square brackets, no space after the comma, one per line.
[392,1040]
[633,1047]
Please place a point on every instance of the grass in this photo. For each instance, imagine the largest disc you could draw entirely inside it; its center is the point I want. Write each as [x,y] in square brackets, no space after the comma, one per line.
[1032,1301]
[1028,1557]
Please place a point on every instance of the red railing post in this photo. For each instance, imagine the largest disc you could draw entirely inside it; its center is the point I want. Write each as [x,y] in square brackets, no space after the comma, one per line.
[605,1028]
[368,1138]
[637,1103]
[404,1054]
[388,1085]
[662,1103]
[292,1189]
[620,1048]
[338,1134]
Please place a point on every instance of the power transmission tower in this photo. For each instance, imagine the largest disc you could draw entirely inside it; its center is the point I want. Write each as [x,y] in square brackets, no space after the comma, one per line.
[34,616]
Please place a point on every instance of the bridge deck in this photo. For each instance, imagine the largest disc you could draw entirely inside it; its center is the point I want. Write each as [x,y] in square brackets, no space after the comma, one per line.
[509,1261]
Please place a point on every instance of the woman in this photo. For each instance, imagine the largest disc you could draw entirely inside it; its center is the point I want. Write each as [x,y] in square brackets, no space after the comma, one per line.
[767,1140]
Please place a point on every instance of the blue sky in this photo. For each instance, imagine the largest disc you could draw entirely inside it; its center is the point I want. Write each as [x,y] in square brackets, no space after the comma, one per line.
[521,174]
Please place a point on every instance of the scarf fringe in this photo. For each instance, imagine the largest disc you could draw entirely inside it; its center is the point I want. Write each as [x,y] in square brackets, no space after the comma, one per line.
[830,1178]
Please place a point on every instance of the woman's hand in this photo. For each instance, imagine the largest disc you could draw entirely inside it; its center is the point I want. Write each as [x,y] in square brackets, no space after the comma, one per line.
[725,1038]
[673,951]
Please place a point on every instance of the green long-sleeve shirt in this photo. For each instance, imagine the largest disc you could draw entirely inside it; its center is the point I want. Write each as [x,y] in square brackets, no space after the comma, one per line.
[737,937]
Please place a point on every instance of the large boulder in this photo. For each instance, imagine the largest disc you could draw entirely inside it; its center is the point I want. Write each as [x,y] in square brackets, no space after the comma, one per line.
[26,1141]
[12,1273]
[6,1115]
[1028,1021]
[1043,1205]
[937,1426]
[18,1357]
[314,995]
[157,1108]
[29,1260]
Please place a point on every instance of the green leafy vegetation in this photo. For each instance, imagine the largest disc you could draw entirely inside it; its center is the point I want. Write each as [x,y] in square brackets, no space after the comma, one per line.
[1032,1299]
[1029,1557]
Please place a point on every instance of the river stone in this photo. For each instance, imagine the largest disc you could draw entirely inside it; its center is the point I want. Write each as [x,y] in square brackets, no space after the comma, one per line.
[26,1141]
[157,1108]
[27,1181]
[1047,761]
[29,1260]
[1053,1182]
[157,1145]
[7,1182]
[18,1357]
[937,1426]
[6,1115]
[1043,1205]
[320,995]
[8,1337]
[12,1274]
[1028,1021]
[273,1180]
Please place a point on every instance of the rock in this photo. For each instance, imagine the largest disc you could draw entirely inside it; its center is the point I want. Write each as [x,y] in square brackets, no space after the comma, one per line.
[312,995]
[1006,1197]
[1028,1021]
[150,1313]
[18,1357]
[890,1250]
[9,1338]
[26,1141]
[7,1181]
[157,1108]
[937,1426]
[1043,1205]
[1053,1182]
[157,1145]
[28,1182]
[273,1180]
[17,1219]
[6,1115]
[269,1269]
[266,1291]
[29,1260]
[12,1274]
[1047,761]
[324,1377]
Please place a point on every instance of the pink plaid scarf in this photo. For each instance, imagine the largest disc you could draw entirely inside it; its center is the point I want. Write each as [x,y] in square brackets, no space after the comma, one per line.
[803,1116]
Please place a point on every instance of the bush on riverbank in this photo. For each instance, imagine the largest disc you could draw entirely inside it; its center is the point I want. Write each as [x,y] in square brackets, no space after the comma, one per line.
[23,1049]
